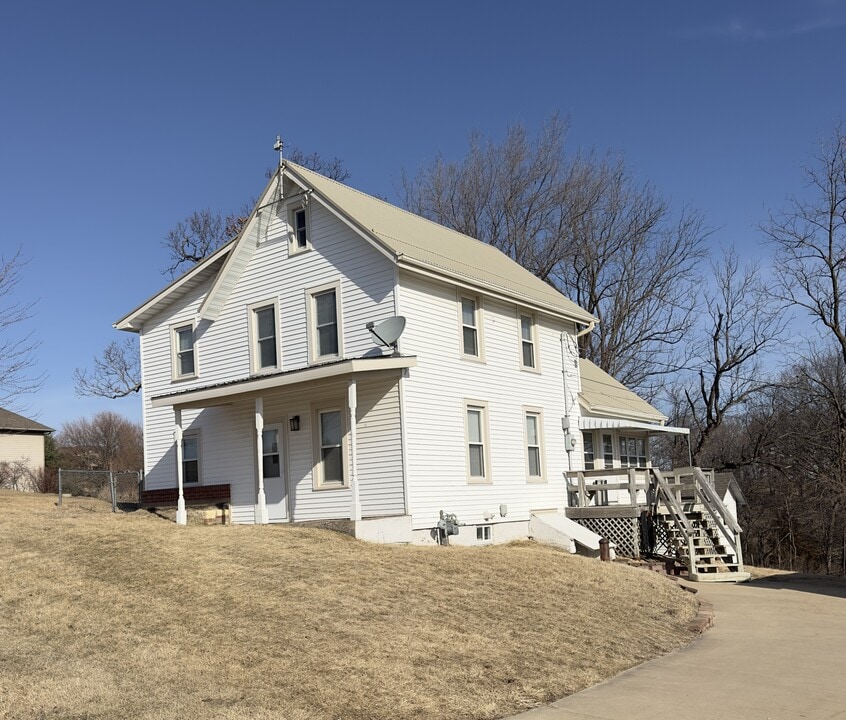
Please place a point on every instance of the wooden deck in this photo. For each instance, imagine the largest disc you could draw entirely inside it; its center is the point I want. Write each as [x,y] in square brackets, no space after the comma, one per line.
[194,495]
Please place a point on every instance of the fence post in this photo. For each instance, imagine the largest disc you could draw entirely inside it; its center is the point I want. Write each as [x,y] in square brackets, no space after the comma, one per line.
[140,487]
[60,488]
[113,490]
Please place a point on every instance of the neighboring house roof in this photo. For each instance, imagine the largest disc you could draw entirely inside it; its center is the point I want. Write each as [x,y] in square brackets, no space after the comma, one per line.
[12,422]
[604,396]
[411,241]
[726,482]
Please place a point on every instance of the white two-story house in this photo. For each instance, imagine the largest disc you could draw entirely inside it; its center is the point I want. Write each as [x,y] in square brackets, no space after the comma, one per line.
[263,386]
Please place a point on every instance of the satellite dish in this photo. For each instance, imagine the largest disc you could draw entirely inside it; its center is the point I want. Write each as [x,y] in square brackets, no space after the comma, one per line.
[387,332]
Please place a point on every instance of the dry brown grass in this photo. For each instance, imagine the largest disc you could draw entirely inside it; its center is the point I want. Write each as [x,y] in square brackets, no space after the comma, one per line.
[128,615]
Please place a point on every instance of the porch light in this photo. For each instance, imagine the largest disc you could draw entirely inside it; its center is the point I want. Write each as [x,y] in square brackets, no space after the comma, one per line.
[294,423]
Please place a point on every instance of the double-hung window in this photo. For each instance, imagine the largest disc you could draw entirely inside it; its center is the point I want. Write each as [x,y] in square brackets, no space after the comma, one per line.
[298,219]
[528,354]
[587,442]
[329,447]
[607,451]
[265,338]
[191,458]
[476,428]
[325,323]
[634,451]
[471,328]
[184,356]
[534,445]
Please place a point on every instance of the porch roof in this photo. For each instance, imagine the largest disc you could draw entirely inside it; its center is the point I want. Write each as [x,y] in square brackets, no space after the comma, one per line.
[222,392]
[594,423]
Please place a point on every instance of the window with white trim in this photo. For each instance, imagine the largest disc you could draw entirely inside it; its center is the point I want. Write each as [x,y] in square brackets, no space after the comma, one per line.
[298,219]
[265,338]
[270,457]
[483,533]
[191,458]
[528,357]
[325,323]
[330,451]
[634,451]
[607,451]
[184,354]
[587,444]
[476,429]
[533,422]
[471,334]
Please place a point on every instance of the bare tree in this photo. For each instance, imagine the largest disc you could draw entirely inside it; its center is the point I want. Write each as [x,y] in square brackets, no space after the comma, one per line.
[107,441]
[17,353]
[116,374]
[809,238]
[584,225]
[742,324]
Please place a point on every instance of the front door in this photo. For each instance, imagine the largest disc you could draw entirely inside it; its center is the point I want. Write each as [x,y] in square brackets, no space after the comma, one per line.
[274,474]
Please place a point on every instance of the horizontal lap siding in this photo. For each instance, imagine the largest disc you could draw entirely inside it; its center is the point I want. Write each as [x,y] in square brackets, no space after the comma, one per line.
[223,354]
[433,399]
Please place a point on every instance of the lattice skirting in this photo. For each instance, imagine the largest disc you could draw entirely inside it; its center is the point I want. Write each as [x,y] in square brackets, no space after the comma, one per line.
[623,532]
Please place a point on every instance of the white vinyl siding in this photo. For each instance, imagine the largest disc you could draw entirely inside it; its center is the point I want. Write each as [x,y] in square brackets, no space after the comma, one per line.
[435,420]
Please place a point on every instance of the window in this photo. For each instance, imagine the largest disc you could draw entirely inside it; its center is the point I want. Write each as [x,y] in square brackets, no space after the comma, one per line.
[184,364]
[191,459]
[271,466]
[325,323]
[587,442]
[634,451]
[477,445]
[265,341]
[527,342]
[471,340]
[330,433]
[607,451]
[534,448]
[298,219]
[483,533]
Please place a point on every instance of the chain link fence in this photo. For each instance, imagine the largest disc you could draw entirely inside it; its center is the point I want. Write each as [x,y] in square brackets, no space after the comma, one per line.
[121,488]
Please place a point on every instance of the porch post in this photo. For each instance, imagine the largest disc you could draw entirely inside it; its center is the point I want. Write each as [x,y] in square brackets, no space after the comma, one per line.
[261,500]
[181,513]
[355,502]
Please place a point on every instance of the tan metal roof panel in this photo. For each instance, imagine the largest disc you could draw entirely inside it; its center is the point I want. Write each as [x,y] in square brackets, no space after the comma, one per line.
[603,395]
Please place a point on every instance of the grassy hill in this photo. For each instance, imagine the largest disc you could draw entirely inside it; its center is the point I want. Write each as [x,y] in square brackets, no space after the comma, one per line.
[128,615]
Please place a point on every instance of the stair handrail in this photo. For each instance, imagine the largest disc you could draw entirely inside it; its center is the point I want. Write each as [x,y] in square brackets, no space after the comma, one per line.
[714,500]
[681,519]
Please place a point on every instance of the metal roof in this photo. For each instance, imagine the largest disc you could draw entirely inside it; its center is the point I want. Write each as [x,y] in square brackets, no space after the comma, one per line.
[602,395]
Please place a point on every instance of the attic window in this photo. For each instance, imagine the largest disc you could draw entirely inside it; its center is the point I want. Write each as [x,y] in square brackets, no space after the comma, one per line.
[299,221]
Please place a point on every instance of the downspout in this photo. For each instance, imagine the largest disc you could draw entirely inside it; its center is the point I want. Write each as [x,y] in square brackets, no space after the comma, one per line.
[569,440]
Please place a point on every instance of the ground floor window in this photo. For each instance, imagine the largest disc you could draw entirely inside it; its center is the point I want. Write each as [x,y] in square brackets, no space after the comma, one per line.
[191,458]
[271,464]
[330,434]
[587,443]
[483,533]
[634,451]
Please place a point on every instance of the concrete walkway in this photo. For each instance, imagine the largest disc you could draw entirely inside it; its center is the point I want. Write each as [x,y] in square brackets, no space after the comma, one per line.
[777,651]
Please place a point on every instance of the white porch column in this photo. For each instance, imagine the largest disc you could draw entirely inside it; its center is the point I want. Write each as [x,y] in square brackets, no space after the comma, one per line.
[261,500]
[181,513]
[355,502]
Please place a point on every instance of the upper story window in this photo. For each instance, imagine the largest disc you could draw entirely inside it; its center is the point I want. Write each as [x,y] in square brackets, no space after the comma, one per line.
[325,326]
[476,429]
[534,445]
[634,451]
[184,355]
[528,349]
[265,337]
[298,218]
[471,327]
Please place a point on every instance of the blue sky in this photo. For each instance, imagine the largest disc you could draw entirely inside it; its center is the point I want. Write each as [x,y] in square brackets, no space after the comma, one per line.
[118,119]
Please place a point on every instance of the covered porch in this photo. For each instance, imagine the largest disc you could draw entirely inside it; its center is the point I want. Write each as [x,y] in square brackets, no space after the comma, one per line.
[318,443]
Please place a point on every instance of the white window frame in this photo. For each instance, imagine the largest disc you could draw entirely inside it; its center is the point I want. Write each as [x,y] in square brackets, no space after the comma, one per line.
[188,434]
[532,340]
[318,480]
[484,534]
[255,354]
[606,462]
[279,440]
[482,407]
[588,436]
[311,318]
[293,243]
[174,351]
[478,317]
[537,413]
[626,457]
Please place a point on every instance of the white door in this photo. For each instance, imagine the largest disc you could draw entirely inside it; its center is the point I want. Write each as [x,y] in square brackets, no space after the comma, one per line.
[274,474]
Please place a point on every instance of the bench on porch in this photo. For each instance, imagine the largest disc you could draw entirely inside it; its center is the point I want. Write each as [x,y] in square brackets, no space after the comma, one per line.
[194,495]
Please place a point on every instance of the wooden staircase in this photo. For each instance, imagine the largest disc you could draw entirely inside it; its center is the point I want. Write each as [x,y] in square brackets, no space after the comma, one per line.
[696,527]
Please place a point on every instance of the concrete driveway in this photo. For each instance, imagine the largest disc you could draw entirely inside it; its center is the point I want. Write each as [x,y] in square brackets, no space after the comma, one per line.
[777,651]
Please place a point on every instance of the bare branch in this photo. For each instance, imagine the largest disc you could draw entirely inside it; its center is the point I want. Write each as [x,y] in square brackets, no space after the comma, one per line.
[116,374]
